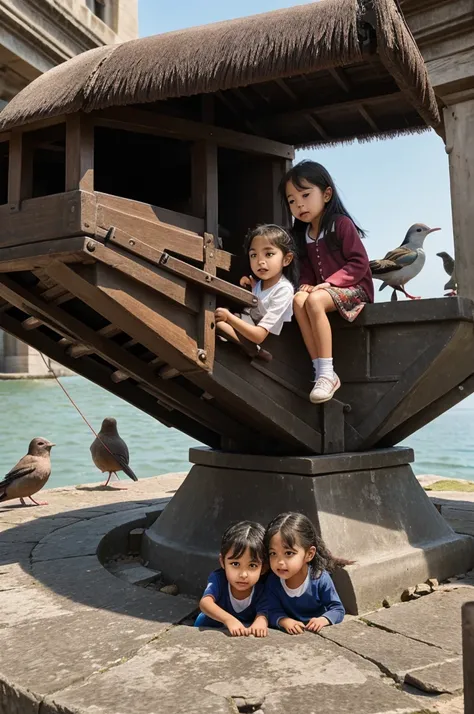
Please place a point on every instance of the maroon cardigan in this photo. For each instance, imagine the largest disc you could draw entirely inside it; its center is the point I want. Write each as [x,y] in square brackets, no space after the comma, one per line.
[345,267]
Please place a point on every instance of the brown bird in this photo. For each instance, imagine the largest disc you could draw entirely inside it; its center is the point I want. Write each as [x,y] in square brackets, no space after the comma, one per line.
[30,474]
[110,452]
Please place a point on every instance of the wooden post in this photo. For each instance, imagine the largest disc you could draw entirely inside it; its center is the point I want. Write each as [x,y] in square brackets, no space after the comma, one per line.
[459,121]
[20,170]
[205,201]
[468,655]
[79,153]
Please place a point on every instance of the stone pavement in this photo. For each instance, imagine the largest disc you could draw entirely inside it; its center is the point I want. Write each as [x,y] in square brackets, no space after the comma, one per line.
[75,639]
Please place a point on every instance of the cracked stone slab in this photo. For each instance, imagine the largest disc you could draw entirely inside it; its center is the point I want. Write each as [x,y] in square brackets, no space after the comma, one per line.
[434,619]
[193,671]
[32,531]
[46,655]
[85,580]
[31,604]
[15,699]
[446,677]
[393,653]
[84,537]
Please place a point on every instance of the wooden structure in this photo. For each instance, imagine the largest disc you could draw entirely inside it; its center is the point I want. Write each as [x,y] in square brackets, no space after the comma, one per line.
[129,176]
[124,198]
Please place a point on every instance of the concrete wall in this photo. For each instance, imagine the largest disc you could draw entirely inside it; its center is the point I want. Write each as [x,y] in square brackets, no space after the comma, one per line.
[36,35]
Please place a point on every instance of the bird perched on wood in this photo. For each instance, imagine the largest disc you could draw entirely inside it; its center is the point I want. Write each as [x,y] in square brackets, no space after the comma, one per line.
[404,263]
[30,474]
[110,452]
[448,265]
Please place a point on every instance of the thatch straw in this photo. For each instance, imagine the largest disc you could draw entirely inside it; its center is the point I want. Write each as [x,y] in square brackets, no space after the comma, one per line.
[298,40]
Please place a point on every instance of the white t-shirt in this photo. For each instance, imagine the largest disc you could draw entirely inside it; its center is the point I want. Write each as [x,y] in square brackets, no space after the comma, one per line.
[275,306]
[297,592]
[240,605]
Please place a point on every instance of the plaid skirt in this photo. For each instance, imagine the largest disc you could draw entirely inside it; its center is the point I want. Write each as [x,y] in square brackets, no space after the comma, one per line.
[348,301]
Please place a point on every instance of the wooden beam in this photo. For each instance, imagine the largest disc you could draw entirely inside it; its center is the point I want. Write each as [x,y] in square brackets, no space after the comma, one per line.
[370,121]
[316,125]
[44,218]
[43,123]
[20,171]
[158,235]
[5,136]
[79,153]
[35,255]
[288,91]
[122,360]
[140,121]
[77,351]
[340,106]
[340,77]
[178,267]
[170,286]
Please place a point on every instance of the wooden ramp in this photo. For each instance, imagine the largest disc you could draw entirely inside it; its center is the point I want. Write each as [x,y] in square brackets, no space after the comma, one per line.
[127,300]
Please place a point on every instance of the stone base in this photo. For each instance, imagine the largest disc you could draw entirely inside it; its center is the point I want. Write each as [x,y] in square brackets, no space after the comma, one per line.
[368,507]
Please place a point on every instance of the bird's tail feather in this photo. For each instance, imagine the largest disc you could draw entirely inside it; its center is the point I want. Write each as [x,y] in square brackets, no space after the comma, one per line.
[126,469]
[384,285]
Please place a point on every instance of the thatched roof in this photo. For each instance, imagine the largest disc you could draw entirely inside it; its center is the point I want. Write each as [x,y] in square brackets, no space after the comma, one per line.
[299,42]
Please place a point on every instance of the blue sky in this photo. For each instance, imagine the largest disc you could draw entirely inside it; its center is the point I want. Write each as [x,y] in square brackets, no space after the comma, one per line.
[386,185]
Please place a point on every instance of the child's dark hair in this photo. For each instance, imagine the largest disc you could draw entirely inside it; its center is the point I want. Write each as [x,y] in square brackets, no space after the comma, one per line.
[297,529]
[242,535]
[310,172]
[282,239]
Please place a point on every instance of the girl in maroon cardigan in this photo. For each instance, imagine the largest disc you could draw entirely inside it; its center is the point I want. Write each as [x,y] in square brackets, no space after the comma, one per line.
[335,273]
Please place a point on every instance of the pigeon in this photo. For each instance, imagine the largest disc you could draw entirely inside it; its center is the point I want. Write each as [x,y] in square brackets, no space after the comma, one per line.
[448,265]
[110,452]
[404,263]
[30,474]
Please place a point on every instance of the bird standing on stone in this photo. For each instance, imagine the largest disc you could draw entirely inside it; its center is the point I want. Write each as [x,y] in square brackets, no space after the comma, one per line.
[448,264]
[30,474]
[404,263]
[110,452]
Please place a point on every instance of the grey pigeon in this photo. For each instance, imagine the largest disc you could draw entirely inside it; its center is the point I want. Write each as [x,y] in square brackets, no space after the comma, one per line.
[30,474]
[449,266]
[110,452]
[404,263]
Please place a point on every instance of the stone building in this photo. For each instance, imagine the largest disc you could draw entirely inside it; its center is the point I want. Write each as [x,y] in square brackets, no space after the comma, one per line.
[36,35]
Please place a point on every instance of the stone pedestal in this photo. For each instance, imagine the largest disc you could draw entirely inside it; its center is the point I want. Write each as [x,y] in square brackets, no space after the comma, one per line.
[368,506]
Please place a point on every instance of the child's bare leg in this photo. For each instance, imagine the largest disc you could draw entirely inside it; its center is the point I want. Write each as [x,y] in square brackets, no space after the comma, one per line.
[302,318]
[317,306]
[250,348]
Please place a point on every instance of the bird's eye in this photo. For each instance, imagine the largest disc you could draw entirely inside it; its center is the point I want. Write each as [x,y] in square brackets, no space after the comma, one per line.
[418,230]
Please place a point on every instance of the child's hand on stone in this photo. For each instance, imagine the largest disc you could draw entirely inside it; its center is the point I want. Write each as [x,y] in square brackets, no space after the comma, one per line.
[316,624]
[259,628]
[293,627]
[236,628]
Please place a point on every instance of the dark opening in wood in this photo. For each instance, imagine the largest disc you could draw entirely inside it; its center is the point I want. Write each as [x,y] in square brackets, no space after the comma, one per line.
[145,168]
[48,151]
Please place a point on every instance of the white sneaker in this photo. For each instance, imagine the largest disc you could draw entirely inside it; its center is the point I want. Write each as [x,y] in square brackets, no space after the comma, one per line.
[324,389]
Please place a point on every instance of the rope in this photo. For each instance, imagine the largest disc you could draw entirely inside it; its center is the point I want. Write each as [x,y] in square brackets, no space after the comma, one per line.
[50,369]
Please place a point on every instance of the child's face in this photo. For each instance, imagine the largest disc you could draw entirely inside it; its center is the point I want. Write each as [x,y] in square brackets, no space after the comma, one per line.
[285,561]
[266,260]
[307,203]
[243,572]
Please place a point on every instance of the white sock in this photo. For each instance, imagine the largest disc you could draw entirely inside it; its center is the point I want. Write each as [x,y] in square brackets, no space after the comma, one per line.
[325,368]
[316,368]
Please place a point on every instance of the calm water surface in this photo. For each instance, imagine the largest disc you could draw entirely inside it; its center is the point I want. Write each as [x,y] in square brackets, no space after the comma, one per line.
[39,408]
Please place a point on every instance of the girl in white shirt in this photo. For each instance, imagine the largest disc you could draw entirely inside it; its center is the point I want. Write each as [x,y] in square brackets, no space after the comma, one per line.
[272,255]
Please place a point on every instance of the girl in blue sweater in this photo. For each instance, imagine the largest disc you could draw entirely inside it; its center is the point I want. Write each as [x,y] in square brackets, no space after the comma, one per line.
[235,595]
[300,592]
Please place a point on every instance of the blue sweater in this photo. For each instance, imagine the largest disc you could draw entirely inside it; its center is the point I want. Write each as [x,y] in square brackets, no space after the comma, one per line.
[320,599]
[218,588]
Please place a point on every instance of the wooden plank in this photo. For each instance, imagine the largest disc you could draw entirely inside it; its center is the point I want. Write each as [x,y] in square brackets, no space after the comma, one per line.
[44,123]
[5,136]
[206,322]
[459,122]
[120,359]
[79,153]
[180,267]
[171,286]
[137,120]
[36,255]
[41,219]
[77,351]
[152,213]
[14,171]
[99,374]
[161,327]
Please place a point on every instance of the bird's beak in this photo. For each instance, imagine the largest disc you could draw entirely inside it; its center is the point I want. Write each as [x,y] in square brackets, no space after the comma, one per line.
[50,444]
[432,230]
